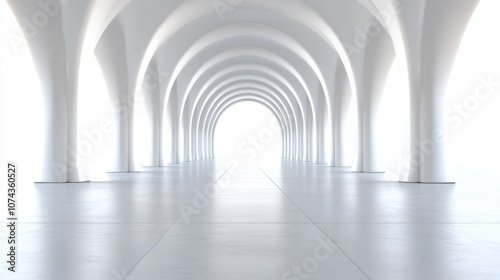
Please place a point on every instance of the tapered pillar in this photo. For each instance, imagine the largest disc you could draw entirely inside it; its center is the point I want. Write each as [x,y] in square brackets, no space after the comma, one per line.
[151,92]
[358,61]
[323,126]
[171,131]
[342,105]
[379,57]
[55,33]
[111,54]
[309,135]
[186,136]
[298,136]
[426,41]
[445,23]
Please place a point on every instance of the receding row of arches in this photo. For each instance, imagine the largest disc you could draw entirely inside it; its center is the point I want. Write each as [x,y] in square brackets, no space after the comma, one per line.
[303,60]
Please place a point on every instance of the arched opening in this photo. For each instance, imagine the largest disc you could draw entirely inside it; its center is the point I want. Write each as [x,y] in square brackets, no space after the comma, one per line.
[248,131]
[391,124]
[21,113]
[473,99]
[96,125]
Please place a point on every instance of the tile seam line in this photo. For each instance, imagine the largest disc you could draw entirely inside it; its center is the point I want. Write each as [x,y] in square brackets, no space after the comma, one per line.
[320,223]
[469,239]
[320,229]
[172,222]
[163,237]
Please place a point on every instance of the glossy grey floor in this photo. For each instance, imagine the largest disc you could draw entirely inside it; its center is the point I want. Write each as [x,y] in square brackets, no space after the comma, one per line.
[278,220]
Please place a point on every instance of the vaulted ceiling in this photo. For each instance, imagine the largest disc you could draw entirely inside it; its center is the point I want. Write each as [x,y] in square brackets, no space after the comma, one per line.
[193,58]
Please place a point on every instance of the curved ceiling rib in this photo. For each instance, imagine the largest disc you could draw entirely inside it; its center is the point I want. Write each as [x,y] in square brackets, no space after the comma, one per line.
[247,54]
[205,145]
[295,45]
[265,78]
[210,39]
[284,107]
[181,64]
[286,122]
[316,25]
[252,72]
[240,65]
[253,85]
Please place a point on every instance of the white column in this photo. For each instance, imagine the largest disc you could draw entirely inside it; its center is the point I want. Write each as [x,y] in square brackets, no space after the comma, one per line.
[445,23]
[309,138]
[111,54]
[151,92]
[357,164]
[379,56]
[186,135]
[171,131]
[55,44]
[426,41]
[322,124]
[342,104]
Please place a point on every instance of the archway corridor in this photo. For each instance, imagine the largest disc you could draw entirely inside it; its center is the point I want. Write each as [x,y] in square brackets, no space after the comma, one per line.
[249,139]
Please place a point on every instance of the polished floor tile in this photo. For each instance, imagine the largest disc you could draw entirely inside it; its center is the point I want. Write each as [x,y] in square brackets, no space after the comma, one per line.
[245,251]
[413,251]
[279,219]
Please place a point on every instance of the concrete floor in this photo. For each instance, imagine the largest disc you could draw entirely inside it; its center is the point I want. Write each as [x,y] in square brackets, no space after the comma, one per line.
[278,220]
